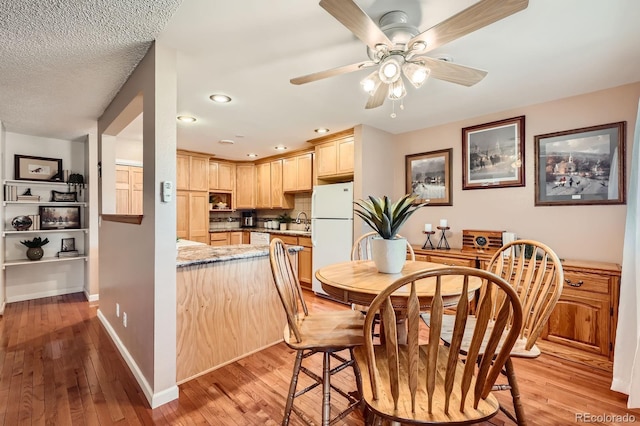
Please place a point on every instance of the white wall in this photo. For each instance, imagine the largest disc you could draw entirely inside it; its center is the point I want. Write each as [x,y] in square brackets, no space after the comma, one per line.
[92,284]
[574,232]
[137,262]
[3,170]
[129,152]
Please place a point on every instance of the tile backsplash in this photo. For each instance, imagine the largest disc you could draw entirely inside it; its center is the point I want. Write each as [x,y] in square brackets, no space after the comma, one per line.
[228,220]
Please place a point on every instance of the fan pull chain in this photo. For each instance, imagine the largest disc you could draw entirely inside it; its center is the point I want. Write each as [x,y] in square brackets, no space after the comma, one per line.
[393,109]
[402,104]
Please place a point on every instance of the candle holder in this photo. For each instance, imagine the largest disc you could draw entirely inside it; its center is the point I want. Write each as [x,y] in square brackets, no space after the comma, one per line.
[443,244]
[428,242]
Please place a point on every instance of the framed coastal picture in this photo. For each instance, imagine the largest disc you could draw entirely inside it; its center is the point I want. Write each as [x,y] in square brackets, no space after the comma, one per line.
[428,175]
[581,166]
[493,154]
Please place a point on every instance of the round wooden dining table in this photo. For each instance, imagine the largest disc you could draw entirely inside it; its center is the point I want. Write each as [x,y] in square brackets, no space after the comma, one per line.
[358,281]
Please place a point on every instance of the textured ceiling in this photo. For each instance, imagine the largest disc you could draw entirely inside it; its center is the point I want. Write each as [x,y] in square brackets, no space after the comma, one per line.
[61,63]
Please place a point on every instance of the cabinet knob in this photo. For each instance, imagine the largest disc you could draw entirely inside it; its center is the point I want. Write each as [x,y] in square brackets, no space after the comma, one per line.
[572,284]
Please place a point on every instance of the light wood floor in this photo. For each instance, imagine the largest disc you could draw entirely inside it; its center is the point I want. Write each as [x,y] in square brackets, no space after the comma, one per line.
[58,367]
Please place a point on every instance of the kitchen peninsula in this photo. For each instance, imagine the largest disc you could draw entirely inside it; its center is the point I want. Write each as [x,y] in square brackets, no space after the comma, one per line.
[227,306]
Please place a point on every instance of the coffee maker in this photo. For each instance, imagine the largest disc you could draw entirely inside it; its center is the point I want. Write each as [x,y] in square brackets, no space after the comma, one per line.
[249,219]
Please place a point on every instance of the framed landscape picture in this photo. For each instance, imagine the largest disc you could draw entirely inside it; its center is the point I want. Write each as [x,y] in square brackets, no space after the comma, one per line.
[493,154]
[428,175]
[63,217]
[581,166]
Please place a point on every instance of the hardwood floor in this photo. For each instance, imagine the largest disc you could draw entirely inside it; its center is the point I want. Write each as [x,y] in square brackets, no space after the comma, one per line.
[58,366]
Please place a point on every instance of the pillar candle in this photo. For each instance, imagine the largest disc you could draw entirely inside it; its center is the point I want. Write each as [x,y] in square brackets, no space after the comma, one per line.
[443,223]
[427,227]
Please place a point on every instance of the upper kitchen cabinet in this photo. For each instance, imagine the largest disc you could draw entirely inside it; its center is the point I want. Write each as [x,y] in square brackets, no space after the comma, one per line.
[192,172]
[245,186]
[297,173]
[222,176]
[334,155]
[279,200]
[263,184]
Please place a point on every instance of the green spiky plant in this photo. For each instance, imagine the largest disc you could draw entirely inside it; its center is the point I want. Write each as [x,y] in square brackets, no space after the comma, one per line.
[385,217]
[36,242]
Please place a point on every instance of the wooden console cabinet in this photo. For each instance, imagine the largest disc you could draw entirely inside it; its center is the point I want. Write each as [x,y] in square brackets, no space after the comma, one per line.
[583,324]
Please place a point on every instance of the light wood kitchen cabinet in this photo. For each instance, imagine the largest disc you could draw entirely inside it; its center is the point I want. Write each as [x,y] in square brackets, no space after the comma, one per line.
[335,157]
[219,238]
[192,172]
[245,186]
[297,173]
[305,268]
[263,184]
[129,189]
[279,200]
[246,237]
[235,237]
[192,215]
[222,176]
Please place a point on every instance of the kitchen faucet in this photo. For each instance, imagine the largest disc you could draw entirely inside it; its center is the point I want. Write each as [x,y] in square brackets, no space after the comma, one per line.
[306,220]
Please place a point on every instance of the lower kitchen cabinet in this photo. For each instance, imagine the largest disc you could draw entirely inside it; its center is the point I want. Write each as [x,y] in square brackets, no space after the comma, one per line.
[305,269]
[192,208]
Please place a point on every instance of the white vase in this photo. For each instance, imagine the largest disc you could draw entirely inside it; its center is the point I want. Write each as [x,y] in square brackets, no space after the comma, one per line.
[389,256]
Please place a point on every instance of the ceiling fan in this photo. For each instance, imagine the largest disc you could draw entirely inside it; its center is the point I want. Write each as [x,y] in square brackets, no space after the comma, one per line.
[396,46]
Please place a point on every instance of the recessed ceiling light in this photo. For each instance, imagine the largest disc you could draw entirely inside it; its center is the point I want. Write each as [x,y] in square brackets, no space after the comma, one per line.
[252,155]
[322,130]
[280,148]
[222,99]
[186,118]
[226,141]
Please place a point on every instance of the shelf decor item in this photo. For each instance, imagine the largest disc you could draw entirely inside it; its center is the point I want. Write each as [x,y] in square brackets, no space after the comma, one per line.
[34,247]
[64,197]
[21,223]
[37,168]
[63,217]
[389,252]
[284,220]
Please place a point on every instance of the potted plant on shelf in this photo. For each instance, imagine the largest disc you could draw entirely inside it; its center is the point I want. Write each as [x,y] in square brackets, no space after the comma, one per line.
[284,220]
[389,252]
[34,250]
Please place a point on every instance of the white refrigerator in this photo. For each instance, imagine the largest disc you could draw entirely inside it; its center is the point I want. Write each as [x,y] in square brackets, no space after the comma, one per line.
[331,226]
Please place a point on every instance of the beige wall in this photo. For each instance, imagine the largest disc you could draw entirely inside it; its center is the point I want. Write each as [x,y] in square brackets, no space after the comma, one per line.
[372,150]
[574,232]
[137,262]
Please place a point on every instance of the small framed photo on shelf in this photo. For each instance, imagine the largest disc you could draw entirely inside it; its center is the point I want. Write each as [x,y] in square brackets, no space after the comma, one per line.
[64,197]
[28,167]
[68,244]
[63,217]
[493,154]
[428,175]
[581,166]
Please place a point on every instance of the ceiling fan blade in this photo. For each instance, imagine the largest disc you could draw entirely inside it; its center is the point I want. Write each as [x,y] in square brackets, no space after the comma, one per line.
[378,96]
[330,73]
[451,72]
[357,21]
[481,14]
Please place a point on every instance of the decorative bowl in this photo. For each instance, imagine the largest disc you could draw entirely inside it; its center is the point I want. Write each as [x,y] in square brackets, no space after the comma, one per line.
[21,223]
[221,205]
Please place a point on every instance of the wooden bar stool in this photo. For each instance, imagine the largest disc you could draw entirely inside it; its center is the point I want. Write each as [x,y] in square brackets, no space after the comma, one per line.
[325,332]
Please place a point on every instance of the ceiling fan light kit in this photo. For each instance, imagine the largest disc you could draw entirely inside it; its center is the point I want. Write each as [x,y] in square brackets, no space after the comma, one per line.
[393,44]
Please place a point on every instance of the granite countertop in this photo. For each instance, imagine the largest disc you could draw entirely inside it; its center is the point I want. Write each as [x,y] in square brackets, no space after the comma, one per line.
[203,254]
[267,230]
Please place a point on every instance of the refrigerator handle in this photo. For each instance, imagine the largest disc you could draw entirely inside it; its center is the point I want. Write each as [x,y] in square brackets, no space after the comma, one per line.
[313,203]
[313,234]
